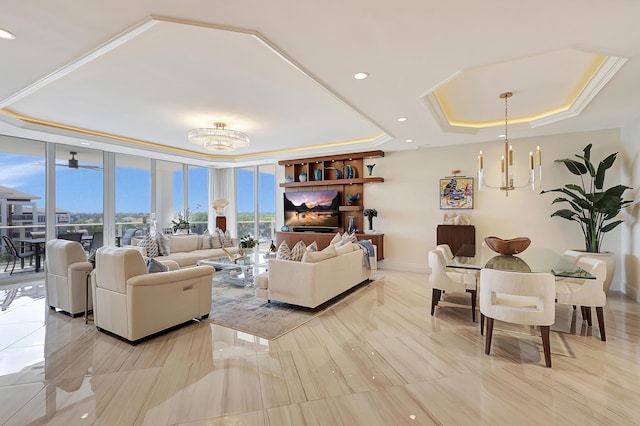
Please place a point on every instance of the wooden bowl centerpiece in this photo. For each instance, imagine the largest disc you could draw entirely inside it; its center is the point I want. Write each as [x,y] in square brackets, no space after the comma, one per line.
[508,247]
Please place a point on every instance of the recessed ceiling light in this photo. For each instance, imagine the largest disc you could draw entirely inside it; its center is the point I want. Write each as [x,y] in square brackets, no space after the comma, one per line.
[360,75]
[501,136]
[401,119]
[408,140]
[8,35]
[84,143]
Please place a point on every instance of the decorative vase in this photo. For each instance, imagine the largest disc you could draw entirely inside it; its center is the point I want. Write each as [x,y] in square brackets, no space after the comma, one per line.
[352,224]
[288,179]
[302,177]
[370,168]
[318,174]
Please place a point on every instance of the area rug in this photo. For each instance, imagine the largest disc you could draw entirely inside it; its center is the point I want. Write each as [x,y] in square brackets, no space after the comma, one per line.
[237,308]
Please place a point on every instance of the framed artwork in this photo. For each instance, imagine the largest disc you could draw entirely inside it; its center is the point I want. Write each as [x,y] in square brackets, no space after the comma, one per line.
[456,193]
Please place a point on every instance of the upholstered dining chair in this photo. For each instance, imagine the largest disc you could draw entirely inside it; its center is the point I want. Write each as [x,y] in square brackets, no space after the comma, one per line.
[446,250]
[442,280]
[14,253]
[573,255]
[586,293]
[519,298]
[97,241]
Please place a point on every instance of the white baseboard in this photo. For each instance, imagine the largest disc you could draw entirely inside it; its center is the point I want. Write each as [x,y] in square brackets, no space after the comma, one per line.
[404,266]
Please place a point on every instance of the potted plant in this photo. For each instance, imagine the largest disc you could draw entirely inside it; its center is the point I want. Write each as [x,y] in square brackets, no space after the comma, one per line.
[247,242]
[590,205]
[180,223]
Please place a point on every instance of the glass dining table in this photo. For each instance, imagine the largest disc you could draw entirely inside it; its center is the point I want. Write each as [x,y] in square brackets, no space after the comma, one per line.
[533,259]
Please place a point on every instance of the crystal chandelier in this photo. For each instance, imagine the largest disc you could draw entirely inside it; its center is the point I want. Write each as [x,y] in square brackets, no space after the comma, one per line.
[218,138]
[506,164]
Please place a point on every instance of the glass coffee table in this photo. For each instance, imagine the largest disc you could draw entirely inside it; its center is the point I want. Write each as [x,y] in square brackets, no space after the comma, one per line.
[237,271]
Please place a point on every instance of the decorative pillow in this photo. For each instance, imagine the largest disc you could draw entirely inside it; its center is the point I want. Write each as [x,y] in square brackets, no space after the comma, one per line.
[227,241]
[345,248]
[207,240]
[154,266]
[218,235]
[283,252]
[149,245]
[164,244]
[313,246]
[318,256]
[352,237]
[336,239]
[298,251]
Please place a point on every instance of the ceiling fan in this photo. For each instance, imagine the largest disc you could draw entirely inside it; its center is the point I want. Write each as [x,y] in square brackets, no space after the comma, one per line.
[73,163]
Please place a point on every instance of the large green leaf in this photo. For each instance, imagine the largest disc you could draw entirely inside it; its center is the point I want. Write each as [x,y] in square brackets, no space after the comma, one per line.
[602,168]
[565,214]
[574,166]
[575,187]
[611,225]
[565,200]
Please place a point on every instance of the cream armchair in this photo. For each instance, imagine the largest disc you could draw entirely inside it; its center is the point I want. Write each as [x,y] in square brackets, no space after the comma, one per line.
[134,304]
[66,276]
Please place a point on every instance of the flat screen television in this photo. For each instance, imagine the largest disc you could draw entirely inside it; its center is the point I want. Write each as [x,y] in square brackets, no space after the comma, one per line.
[312,210]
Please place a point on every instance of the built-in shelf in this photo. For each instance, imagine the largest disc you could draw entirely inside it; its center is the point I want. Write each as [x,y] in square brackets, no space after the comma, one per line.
[332,182]
[350,208]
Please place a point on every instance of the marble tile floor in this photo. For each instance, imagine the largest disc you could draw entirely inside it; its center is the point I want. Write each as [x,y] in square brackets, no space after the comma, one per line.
[378,359]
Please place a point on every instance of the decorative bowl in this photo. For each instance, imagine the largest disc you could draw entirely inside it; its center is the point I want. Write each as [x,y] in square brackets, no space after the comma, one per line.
[508,247]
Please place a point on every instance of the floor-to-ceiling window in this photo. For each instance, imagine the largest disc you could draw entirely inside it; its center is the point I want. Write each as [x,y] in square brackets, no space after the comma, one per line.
[169,194]
[255,194]
[133,192]
[22,191]
[198,196]
[79,201]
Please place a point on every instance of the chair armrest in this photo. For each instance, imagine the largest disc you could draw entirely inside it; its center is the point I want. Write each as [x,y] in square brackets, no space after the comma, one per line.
[80,266]
[170,277]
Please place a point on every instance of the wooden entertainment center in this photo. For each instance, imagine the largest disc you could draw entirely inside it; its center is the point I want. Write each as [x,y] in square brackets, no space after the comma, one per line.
[345,173]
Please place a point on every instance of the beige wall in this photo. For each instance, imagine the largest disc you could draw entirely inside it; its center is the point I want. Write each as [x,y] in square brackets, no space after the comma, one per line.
[408,200]
[631,228]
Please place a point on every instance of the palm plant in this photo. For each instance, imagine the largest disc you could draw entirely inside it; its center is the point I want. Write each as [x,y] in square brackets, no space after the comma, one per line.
[591,206]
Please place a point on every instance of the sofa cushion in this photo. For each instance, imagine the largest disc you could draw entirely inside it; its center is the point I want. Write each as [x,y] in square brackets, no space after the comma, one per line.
[150,245]
[283,252]
[164,244]
[319,256]
[184,243]
[227,241]
[313,246]
[298,251]
[336,239]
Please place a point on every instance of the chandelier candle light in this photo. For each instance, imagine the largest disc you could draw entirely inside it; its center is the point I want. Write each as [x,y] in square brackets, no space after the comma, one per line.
[219,138]
[506,163]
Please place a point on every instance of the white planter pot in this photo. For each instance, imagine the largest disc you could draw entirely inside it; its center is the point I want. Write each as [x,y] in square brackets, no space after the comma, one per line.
[609,259]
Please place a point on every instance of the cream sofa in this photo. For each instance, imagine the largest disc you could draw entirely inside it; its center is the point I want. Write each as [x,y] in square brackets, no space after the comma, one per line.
[312,284]
[134,304]
[66,269]
[187,250]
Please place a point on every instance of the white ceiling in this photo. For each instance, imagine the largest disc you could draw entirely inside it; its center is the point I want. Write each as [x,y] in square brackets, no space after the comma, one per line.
[127,76]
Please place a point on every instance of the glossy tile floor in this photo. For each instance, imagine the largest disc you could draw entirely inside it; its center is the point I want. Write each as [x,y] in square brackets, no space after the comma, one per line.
[378,359]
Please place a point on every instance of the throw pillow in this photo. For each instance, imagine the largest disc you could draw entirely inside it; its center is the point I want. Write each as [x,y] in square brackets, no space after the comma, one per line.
[218,235]
[227,241]
[313,246]
[345,248]
[154,266]
[150,245]
[352,237]
[318,256]
[164,244]
[207,240]
[298,251]
[336,239]
[283,252]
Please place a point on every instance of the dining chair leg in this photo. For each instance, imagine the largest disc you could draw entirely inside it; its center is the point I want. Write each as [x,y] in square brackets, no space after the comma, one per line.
[481,324]
[13,266]
[487,344]
[473,304]
[435,298]
[546,345]
[8,261]
[600,314]
[587,309]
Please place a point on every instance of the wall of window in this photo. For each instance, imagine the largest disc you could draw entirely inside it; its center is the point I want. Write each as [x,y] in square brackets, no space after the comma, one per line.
[198,198]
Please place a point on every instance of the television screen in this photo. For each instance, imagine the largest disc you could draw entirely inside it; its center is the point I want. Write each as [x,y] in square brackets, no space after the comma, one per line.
[318,209]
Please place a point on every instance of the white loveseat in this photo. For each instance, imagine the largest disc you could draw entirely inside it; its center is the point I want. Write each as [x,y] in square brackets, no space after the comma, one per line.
[187,250]
[134,304]
[312,284]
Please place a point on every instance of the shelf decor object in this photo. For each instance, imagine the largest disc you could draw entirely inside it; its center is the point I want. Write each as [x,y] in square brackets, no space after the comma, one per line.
[506,163]
[508,247]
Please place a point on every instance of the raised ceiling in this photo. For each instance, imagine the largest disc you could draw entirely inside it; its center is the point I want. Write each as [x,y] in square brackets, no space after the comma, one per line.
[133,76]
